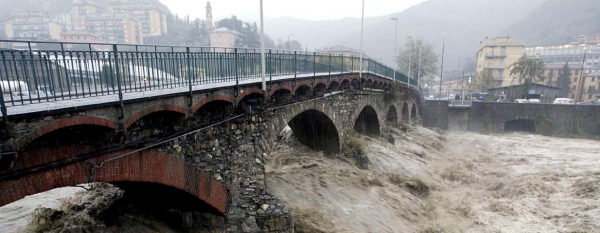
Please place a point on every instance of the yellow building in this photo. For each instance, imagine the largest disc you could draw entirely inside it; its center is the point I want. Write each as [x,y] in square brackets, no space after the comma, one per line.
[115,28]
[590,87]
[223,37]
[553,71]
[152,19]
[81,9]
[495,56]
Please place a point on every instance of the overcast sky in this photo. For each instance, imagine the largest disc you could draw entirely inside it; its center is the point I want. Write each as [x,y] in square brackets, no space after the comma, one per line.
[249,10]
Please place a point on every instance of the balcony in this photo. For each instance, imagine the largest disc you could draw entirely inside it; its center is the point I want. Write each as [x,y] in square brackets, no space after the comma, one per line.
[492,55]
[489,66]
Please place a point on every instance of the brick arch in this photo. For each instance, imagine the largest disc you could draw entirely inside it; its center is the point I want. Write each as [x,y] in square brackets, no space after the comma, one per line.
[302,83]
[280,87]
[210,99]
[148,166]
[250,91]
[157,108]
[62,123]
[332,82]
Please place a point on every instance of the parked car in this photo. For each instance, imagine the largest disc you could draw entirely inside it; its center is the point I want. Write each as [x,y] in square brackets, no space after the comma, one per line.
[586,103]
[597,102]
[564,101]
[534,101]
[521,101]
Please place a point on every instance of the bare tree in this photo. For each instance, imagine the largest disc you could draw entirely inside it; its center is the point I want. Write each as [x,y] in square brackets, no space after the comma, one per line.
[417,50]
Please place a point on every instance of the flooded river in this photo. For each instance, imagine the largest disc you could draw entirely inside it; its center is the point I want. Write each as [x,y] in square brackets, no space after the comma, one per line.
[425,182]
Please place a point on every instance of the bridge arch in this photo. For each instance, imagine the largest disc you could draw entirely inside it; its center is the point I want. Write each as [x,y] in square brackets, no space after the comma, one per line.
[367,122]
[405,113]
[520,125]
[392,116]
[302,91]
[345,85]
[250,91]
[217,97]
[316,130]
[60,124]
[333,86]
[281,94]
[173,172]
[320,88]
[154,109]
[213,111]
[414,115]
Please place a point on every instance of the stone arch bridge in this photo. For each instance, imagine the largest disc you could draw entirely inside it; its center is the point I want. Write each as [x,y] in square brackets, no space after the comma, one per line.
[211,143]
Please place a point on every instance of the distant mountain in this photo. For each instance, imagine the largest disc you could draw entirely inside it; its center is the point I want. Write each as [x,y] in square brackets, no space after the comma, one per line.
[558,22]
[464,22]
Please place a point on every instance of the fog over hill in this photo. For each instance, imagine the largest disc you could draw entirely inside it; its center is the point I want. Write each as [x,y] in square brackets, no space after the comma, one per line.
[464,22]
[558,22]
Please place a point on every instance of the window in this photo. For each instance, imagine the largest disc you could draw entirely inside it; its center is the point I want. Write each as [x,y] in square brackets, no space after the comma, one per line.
[576,72]
[503,50]
[574,87]
[575,79]
[551,73]
[593,79]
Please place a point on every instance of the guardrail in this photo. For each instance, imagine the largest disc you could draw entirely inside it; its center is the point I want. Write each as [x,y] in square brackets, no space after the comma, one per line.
[34,72]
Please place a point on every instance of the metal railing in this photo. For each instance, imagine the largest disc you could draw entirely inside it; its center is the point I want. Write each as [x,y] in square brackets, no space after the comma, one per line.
[33,72]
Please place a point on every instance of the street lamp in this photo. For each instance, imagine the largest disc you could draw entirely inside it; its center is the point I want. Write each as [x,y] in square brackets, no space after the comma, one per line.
[410,60]
[395,48]
[442,67]
[362,27]
[262,48]
[289,41]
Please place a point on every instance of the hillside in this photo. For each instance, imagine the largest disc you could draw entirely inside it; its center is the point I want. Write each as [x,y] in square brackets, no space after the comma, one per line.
[558,22]
[464,22]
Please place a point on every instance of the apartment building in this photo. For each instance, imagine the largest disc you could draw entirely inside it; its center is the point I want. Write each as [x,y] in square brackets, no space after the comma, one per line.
[115,28]
[152,19]
[36,26]
[495,56]
[82,9]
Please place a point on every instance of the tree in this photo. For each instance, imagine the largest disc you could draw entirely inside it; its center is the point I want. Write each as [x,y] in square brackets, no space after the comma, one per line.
[409,57]
[248,37]
[564,81]
[527,70]
[483,81]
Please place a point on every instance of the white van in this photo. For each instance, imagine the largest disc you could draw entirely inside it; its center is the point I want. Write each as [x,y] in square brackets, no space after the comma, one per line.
[564,101]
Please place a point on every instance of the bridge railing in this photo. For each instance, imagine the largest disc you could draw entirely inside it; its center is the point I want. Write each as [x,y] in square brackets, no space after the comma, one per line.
[33,72]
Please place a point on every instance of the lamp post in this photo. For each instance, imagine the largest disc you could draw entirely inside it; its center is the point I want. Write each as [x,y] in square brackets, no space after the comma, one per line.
[262,48]
[362,27]
[395,48]
[288,45]
[410,60]
[442,67]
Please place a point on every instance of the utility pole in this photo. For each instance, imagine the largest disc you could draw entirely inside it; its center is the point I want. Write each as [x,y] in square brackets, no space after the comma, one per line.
[362,27]
[262,48]
[395,48]
[579,96]
[288,45]
[410,60]
[442,67]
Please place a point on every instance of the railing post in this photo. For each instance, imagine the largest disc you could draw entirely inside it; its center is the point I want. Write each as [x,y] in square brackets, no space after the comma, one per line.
[314,66]
[295,65]
[342,55]
[189,73]
[329,77]
[237,78]
[118,72]
[270,60]
[352,61]
[3,106]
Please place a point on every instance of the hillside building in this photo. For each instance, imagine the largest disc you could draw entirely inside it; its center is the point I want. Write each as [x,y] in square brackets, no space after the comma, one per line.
[495,56]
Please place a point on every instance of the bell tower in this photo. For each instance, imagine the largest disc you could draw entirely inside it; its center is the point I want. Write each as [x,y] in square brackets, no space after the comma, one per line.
[209,18]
